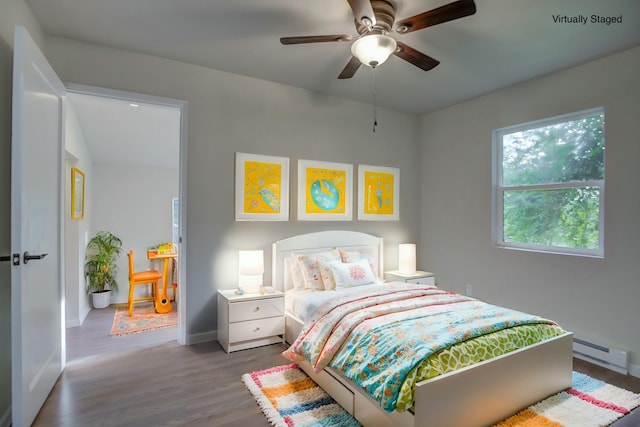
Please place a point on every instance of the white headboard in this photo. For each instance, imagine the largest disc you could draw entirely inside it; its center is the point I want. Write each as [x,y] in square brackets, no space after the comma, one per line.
[316,242]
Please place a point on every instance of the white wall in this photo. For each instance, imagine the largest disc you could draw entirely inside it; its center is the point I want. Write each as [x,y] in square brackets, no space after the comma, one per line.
[133,203]
[595,298]
[229,113]
[76,230]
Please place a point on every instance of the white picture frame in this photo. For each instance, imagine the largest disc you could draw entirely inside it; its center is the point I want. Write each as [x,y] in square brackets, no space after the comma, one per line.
[378,193]
[262,188]
[325,191]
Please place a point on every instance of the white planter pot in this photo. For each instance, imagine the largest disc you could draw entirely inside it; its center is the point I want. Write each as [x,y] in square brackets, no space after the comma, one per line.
[101,299]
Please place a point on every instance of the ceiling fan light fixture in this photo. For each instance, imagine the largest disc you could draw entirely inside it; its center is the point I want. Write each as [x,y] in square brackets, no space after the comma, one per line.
[373,49]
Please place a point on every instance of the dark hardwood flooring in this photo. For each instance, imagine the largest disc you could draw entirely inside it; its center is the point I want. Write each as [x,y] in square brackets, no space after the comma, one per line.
[163,385]
[156,383]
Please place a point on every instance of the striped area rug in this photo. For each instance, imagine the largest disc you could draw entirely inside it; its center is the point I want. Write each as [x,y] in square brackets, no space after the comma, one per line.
[588,403]
[289,398]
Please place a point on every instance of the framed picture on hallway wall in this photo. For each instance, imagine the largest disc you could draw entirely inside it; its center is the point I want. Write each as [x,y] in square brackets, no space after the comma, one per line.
[378,193]
[262,188]
[77,193]
[324,191]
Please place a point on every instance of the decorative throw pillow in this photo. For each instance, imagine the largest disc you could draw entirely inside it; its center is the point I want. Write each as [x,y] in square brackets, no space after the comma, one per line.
[295,273]
[358,254]
[311,271]
[327,276]
[350,274]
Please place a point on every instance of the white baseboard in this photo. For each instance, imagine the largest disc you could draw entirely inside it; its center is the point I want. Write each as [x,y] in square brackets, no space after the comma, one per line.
[73,323]
[634,370]
[202,337]
[5,420]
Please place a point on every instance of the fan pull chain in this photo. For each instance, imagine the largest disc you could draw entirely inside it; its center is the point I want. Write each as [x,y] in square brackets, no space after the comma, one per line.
[375,108]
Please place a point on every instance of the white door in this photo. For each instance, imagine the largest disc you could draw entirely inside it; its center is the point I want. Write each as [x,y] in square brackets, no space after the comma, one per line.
[37,346]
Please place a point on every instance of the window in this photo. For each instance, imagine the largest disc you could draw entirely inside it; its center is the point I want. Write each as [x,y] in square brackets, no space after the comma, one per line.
[549,185]
[176,219]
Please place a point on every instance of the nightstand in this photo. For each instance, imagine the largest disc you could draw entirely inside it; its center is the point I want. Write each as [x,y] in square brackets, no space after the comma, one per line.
[418,278]
[249,320]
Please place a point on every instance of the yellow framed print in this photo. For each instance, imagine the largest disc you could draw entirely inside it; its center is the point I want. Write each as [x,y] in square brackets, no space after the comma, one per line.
[77,193]
[262,188]
[324,191]
[378,193]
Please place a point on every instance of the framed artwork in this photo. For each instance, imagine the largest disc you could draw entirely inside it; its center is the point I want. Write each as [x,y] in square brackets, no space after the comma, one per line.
[77,193]
[378,193]
[324,191]
[262,188]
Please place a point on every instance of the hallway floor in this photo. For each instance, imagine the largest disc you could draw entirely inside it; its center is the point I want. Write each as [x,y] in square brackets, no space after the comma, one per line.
[93,339]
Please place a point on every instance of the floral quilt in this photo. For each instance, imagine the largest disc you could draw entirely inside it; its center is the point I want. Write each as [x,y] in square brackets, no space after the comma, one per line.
[377,339]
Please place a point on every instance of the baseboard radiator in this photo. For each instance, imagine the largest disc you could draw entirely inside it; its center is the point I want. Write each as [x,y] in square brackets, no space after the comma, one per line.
[610,358]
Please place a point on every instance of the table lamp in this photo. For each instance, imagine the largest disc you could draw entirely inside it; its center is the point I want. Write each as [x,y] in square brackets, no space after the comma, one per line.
[250,270]
[407,258]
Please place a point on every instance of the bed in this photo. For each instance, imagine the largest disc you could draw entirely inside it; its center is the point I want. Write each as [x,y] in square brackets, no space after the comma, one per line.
[477,395]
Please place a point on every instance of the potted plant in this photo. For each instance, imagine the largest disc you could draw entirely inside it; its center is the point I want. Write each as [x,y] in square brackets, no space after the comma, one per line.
[100,268]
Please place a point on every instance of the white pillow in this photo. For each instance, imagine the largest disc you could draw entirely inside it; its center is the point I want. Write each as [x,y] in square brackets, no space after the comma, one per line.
[369,253]
[310,269]
[327,275]
[295,274]
[350,274]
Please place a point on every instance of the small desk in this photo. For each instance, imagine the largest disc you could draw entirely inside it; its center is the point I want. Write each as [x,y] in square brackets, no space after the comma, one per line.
[166,257]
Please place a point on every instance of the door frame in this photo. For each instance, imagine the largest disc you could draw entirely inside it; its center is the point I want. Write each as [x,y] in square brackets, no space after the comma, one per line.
[181,105]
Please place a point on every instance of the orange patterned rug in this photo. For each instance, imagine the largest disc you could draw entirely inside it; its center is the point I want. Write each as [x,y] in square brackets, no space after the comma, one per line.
[144,318]
[289,398]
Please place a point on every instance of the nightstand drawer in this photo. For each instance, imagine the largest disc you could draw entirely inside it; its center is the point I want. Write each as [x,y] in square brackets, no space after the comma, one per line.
[253,329]
[256,309]
[422,281]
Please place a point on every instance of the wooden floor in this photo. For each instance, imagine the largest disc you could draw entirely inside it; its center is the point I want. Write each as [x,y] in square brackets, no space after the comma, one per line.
[165,384]
[92,338]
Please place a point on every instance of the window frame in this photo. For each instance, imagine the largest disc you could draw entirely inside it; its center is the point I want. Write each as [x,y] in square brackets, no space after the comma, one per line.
[175,220]
[499,189]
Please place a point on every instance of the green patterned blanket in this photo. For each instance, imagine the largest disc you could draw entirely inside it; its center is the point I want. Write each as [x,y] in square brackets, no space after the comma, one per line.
[389,339]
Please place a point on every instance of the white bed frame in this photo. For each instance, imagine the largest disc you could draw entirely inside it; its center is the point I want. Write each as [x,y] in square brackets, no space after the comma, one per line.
[479,395]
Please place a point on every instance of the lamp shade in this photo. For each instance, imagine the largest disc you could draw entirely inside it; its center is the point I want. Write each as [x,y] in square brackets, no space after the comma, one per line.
[407,258]
[250,270]
[373,49]
[251,262]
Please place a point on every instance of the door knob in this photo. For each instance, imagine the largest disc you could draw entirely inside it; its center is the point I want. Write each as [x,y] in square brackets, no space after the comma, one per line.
[27,257]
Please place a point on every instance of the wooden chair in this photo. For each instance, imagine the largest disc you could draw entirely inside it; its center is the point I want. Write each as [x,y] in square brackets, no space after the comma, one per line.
[174,275]
[147,277]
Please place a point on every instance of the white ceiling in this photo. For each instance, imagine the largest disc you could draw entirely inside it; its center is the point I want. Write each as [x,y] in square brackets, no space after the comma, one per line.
[505,42]
[125,133]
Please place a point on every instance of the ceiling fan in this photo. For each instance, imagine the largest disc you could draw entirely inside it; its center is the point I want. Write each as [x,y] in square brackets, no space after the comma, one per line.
[374,20]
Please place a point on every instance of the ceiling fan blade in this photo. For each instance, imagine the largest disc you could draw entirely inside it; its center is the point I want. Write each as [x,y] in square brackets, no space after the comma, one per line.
[448,12]
[350,69]
[414,57]
[316,39]
[363,12]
